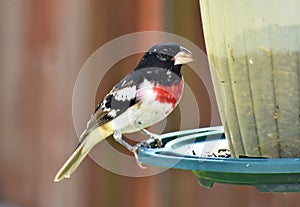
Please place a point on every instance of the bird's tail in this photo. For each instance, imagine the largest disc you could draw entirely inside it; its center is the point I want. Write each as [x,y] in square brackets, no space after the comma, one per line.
[83,148]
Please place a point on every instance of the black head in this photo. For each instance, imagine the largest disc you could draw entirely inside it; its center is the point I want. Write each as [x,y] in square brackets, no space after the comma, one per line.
[169,56]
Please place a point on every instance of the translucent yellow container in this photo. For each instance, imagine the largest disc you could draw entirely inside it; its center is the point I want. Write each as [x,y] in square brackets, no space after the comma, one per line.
[254,51]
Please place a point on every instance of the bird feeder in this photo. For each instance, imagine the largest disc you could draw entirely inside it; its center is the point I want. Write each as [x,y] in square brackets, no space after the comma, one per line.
[253,49]
[206,153]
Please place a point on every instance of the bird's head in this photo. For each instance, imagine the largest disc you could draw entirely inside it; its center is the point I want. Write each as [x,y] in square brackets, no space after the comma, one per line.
[170,56]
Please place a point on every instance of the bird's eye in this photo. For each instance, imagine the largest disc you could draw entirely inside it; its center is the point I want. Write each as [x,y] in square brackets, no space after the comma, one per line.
[161,57]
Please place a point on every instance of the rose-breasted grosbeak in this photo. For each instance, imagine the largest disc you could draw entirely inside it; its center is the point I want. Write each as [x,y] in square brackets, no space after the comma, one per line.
[144,97]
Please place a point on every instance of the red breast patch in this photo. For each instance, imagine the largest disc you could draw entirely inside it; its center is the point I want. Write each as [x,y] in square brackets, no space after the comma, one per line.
[169,94]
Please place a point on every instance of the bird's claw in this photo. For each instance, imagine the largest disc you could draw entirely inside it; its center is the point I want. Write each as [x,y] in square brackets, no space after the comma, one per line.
[151,136]
[134,149]
[158,142]
[135,153]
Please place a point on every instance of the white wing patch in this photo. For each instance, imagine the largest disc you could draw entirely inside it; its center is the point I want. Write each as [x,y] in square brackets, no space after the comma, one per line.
[113,113]
[104,109]
[125,94]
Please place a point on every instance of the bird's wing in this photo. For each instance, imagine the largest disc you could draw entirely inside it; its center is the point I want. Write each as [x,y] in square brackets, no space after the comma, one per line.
[118,100]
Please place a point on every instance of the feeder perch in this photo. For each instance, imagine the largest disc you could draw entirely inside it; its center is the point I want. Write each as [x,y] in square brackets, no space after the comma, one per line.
[205,152]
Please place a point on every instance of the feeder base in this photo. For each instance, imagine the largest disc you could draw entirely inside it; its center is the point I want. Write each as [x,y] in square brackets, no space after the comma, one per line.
[202,152]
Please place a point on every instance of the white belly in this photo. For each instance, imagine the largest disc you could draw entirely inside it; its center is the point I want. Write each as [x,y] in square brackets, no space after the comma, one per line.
[141,116]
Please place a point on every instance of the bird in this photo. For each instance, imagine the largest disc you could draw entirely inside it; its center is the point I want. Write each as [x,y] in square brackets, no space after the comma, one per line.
[144,97]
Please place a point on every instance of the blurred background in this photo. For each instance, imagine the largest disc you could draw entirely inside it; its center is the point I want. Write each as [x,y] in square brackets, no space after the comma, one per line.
[43,45]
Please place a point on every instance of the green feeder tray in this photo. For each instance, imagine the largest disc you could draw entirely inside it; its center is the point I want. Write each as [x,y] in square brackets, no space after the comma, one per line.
[205,152]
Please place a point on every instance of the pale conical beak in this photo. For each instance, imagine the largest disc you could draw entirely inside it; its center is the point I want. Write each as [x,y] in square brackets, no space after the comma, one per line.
[183,57]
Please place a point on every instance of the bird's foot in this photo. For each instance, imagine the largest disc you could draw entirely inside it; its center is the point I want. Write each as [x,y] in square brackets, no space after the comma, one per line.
[134,149]
[152,136]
